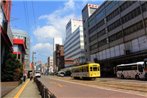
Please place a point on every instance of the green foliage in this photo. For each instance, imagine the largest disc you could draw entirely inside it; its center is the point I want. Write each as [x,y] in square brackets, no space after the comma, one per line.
[12,69]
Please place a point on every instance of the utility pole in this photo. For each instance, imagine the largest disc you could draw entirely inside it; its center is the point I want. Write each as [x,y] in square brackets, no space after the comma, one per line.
[33,62]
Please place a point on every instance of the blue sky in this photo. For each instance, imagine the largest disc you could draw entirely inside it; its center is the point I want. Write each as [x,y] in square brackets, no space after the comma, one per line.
[44,20]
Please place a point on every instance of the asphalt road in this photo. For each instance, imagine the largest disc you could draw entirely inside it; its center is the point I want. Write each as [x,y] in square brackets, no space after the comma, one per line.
[67,89]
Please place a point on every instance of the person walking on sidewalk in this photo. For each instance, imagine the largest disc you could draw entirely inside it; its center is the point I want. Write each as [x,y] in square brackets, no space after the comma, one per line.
[31,76]
[24,77]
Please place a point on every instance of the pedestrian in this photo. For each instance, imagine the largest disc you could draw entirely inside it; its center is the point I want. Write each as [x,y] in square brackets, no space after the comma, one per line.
[31,76]
[24,77]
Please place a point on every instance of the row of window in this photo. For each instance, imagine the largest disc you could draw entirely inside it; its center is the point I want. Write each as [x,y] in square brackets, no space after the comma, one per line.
[120,9]
[98,25]
[75,33]
[131,15]
[99,34]
[129,67]
[115,36]
[131,29]
[94,46]
[124,19]
[98,44]
[112,15]
[92,38]
[80,52]
[85,69]
[70,46]
[114,25]
[72,50]
[144,7]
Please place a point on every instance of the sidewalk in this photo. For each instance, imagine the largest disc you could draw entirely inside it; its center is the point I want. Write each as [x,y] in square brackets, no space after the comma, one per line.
[28,88]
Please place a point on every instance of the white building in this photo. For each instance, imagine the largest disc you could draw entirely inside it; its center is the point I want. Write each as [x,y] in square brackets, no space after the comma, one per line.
[56,40]
[74,41]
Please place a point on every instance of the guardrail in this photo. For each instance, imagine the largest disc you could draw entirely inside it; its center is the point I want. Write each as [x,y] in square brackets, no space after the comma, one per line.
[44,92]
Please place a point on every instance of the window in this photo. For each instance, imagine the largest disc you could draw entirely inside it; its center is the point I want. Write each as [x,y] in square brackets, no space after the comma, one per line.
[85,69]
[100,15]
[95,27]
[93,47]
[133,28]
[95,69]
[145,22]
[140,68]
[115,36]
[144,7]
[114,25]
[101,33]
[93,38]
[126,5]
[91,22]
[131,15]
[111,5]
[90,68]
[113,14]
[102,42]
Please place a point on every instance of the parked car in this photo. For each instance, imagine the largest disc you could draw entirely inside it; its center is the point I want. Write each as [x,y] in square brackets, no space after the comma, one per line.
[61,74]
[37,74]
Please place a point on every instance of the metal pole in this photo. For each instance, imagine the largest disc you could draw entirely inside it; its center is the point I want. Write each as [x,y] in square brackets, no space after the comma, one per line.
[33,62]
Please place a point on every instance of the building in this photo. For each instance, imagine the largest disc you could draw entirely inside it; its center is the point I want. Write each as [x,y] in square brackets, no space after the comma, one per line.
[74,42]
[115,33]
[50,61]
[22,41]
[19,47]
[87,11]
[56,40]
[69,62]
[59,57]
[50,65]
[5,30]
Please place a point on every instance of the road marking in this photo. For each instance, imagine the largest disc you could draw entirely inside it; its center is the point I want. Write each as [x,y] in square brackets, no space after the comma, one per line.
[21,89]
[111,89]
[59,85]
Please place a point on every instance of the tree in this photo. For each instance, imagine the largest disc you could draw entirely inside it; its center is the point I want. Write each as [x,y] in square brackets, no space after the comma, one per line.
[12,69]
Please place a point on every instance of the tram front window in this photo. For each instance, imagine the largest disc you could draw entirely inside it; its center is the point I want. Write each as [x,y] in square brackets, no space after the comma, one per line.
[95,68]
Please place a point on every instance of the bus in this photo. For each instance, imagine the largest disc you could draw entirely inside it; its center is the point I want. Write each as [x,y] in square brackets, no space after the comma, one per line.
[86,71]
[136,70]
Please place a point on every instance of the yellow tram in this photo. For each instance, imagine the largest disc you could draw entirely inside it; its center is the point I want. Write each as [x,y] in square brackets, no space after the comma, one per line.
[89,71]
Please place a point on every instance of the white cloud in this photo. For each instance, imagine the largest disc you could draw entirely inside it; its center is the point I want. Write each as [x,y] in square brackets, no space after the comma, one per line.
[56,22]
[43,46]
[55,26]
[46,31]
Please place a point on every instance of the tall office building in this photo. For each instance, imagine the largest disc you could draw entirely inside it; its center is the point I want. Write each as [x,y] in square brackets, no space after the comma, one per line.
[23,36]
[74,41]
[116,32]
[87,11]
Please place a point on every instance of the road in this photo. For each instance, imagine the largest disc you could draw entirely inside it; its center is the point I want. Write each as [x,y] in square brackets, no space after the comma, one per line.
[68,89]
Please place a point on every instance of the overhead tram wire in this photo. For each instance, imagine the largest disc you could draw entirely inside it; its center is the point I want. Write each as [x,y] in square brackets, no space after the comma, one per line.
[35,22]
[26,15]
